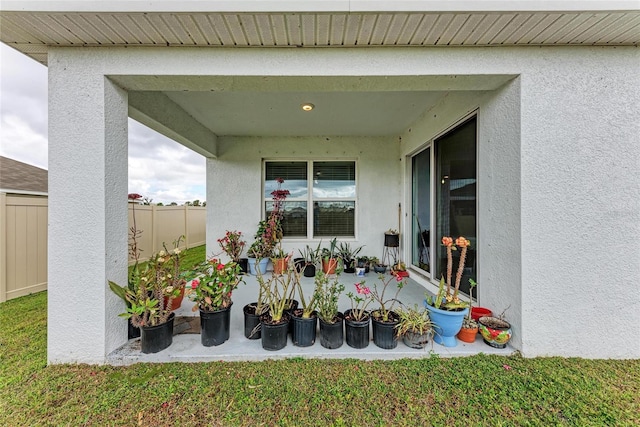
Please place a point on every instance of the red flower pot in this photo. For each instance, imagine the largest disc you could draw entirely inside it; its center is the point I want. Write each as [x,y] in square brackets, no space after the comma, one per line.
[478,312]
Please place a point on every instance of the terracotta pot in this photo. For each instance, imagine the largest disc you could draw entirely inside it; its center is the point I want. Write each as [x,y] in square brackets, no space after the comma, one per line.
[468,335]
[177,301]
[329,265]
[279,265]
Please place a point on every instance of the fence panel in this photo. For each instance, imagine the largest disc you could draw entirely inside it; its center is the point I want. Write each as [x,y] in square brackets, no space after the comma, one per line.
[23,238]
[23,245]
[165,224]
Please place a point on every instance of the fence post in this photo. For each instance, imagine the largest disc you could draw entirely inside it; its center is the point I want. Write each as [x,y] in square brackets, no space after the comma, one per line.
[153,230]
[186,226]
[3,247]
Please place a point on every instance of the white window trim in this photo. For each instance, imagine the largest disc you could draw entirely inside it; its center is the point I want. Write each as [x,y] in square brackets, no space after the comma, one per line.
[310,198]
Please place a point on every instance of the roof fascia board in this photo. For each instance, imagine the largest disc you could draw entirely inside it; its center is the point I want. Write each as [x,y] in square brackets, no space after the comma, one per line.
[337,6]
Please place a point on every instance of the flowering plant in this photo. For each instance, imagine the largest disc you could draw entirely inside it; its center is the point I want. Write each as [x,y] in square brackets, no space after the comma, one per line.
[213,284]
[232,244]
[270,230]
[359,304]
[160,278]
[379,295]
[451,300]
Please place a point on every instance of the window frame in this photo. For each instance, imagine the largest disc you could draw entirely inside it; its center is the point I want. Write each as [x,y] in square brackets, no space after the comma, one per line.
[310,199]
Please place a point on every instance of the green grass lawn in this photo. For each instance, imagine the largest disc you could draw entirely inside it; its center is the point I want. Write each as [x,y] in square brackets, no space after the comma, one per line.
[479,390]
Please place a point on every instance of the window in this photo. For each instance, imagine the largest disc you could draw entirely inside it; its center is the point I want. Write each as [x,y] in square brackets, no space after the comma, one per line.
[321,206]
[453,188]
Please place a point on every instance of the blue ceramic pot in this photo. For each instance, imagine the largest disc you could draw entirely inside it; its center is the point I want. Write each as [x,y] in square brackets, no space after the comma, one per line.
[262,265]
[447,324]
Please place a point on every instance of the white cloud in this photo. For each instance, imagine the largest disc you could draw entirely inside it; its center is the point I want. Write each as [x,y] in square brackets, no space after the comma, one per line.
[159,168]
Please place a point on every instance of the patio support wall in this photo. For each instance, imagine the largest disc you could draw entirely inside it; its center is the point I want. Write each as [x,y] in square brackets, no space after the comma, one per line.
[87,245]
[577,180]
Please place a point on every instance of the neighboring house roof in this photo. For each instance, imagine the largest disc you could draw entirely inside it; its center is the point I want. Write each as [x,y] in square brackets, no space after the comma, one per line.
[31,26]
[20,177]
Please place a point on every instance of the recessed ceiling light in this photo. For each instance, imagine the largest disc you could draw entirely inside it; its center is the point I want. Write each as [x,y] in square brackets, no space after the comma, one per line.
[307,107]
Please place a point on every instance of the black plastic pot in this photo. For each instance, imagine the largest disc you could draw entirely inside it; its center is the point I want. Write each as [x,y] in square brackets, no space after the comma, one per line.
[244,265]
[309,270]
[214,326]
[251,322]
[332,334]
[292,304]
[384,333]
[349,266]
[132,332]
[157,338]
[392,240]
[303,332]
[356,332]
[298,264]
[274,336]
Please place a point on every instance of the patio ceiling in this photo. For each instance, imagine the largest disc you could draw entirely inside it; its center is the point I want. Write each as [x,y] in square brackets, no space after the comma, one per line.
[374,108]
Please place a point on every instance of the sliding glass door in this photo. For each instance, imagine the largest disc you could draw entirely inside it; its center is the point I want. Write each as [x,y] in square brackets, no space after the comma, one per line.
[452,187]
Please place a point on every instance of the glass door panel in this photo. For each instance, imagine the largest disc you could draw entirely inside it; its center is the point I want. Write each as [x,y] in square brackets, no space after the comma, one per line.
[456,205]
[421,209]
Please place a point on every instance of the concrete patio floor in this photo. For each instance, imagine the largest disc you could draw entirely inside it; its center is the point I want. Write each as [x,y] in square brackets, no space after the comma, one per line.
[186,347]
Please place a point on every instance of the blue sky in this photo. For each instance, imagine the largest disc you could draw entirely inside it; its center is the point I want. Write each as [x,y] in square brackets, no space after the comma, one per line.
[159,168]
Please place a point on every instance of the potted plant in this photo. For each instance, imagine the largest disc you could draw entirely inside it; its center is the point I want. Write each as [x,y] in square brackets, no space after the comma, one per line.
[269,232]
[447,311]
[280,260]
[327,292]
[252,313]
[356,319]
[496,332]
[310,258]
[378,266]
[364,262]
[261,249]
[348,256]
[391,238]
[330,258]
[399,269]
[148,308]
[469,329]
[233,245]
[414,326]
[212,286]
[383,319]
[134,275]
[274,323]
[303,319]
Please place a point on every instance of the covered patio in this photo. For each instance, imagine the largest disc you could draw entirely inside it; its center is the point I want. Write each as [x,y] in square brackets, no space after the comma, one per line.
[545,95]
[186,347]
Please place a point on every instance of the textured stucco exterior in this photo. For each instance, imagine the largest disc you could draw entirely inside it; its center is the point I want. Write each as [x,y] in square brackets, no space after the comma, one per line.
[558,186]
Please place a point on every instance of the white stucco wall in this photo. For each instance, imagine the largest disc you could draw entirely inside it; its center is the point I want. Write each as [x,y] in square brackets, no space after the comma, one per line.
[238,171]
[87,211]
[559,183]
